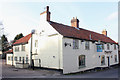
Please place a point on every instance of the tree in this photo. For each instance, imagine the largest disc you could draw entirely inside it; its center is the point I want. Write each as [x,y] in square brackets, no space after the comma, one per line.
[18,36]
[5,43]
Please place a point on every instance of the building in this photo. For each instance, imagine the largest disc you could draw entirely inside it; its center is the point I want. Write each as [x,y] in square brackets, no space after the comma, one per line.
[9,57]
[0,48]
[69,48]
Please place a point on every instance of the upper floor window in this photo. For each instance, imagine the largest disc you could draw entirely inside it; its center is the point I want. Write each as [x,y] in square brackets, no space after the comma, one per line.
[16,49]
[82,61]
[87,45]
[36,43]
[23,48]
[114,46]
[103,46]
[75,44]
[108,46]
[102,60]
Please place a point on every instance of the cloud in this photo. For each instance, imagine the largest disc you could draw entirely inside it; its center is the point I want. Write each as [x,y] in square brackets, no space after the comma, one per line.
[112,16]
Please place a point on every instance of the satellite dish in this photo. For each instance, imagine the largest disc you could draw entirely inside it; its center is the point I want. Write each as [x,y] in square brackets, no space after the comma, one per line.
[33,31]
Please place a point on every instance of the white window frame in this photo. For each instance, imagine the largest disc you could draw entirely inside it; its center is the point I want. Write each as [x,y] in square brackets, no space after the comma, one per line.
[87,45]
[102,60]
[75,44]
[17,48]
[22,47]
[81,61]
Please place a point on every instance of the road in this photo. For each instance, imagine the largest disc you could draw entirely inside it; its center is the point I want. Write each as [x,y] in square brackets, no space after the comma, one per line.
[11,72]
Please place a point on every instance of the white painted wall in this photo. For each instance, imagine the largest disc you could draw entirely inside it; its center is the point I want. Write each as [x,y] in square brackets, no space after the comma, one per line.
[21,54]
[9,62]
[70,56]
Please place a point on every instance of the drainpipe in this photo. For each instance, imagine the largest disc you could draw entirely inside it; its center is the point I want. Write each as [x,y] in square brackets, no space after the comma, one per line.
[31,60]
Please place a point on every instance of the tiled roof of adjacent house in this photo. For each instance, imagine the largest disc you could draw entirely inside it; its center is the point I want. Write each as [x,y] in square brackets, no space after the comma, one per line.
[23,40]
[79,33]
[9,51]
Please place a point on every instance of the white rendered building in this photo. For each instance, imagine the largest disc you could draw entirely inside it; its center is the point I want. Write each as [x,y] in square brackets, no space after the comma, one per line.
[70,48]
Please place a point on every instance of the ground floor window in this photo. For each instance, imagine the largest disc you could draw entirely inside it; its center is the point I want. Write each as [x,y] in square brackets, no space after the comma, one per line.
[102,60]
[20,59]
[15,58]
[82,61]
[115,58]
[26,59]
[8,58]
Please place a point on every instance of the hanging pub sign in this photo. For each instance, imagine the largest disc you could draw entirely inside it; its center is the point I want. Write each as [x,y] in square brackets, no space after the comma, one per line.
[99,48]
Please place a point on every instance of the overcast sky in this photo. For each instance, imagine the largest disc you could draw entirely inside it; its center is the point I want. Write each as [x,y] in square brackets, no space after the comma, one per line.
[22,17]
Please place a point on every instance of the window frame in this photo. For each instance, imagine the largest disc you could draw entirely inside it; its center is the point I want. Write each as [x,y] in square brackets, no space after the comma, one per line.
[22,47]
[75,44]
[81,61]
[115,47]
[87,45]
[108,46]
[115,58]
[17,49]
[103,60]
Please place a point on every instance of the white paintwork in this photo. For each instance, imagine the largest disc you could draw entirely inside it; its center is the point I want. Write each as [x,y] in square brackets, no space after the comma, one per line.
[52,53]
[9,62]
[70,56]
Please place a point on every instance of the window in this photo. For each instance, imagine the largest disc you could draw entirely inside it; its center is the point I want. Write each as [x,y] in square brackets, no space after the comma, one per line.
[26,59]
[87,45]
[12,58]
[114,46]
[108,46]
[23,60]
[8,58]
[103,60]
[20,59]
[15,58]
[75,44]
[36,43]
[115,58]
[16,49]
[23,48]
[82,61]
[103,46]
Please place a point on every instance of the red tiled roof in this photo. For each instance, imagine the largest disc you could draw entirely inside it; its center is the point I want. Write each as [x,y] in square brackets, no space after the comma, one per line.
[9,51]
[23,40]
[80,33]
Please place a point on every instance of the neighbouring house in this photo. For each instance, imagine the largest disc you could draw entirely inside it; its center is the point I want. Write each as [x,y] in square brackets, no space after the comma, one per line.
[0,48]
[69,48]
[9,57]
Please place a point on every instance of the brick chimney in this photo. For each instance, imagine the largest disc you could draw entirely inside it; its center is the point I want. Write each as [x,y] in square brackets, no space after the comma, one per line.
[75,22]
[46,13]
[104,32]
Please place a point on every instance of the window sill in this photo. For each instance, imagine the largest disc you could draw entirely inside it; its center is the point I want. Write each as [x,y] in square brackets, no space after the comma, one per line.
[82,67]
[102,64]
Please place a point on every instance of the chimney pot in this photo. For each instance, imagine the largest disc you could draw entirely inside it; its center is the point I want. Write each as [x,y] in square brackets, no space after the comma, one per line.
[75,22]
[104,32]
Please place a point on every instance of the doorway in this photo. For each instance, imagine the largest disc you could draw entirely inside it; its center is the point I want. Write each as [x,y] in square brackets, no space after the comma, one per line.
[108,61]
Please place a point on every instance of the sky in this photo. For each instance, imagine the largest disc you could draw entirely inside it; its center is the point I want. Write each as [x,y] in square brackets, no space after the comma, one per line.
[23,16]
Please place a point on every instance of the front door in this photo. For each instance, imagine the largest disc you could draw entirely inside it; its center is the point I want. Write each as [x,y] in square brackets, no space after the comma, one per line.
[108,61]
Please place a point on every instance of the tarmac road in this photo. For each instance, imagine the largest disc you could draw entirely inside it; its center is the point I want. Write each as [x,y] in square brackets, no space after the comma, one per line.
[11,72]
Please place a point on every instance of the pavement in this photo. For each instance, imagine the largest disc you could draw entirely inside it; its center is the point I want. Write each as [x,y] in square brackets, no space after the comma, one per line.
[8,71]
